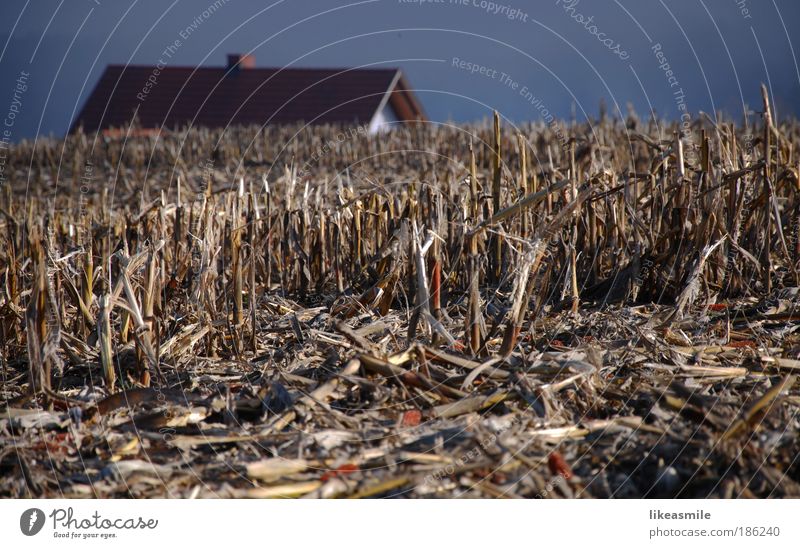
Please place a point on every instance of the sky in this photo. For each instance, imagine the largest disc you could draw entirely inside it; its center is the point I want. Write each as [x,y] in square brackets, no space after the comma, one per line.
[527,59]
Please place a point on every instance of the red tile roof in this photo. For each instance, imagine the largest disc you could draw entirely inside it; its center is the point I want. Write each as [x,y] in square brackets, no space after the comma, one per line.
[217,97]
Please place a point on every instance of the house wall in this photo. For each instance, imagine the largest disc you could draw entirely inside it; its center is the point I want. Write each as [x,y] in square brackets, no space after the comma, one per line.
[383,121]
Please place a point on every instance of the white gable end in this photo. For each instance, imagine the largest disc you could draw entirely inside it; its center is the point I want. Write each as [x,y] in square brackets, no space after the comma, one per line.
[384,120]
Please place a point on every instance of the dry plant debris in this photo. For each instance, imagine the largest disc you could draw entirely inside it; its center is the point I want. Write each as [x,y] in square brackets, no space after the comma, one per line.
[605,310]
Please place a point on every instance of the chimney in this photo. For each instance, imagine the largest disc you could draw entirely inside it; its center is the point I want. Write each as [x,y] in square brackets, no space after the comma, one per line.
[240,61]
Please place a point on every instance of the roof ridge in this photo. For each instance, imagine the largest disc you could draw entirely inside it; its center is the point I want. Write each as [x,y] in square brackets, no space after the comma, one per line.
[282,69]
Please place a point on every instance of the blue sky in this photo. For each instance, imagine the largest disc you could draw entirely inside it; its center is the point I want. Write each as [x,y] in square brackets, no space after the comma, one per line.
[532,57]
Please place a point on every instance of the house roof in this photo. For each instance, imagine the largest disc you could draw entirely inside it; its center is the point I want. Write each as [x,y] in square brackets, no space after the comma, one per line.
[220,96]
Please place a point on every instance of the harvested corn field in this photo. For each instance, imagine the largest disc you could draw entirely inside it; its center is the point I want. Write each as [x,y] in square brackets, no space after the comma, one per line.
[545,311]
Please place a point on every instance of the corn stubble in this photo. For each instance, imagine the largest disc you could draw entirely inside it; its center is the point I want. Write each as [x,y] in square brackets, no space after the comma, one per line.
[428,312]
